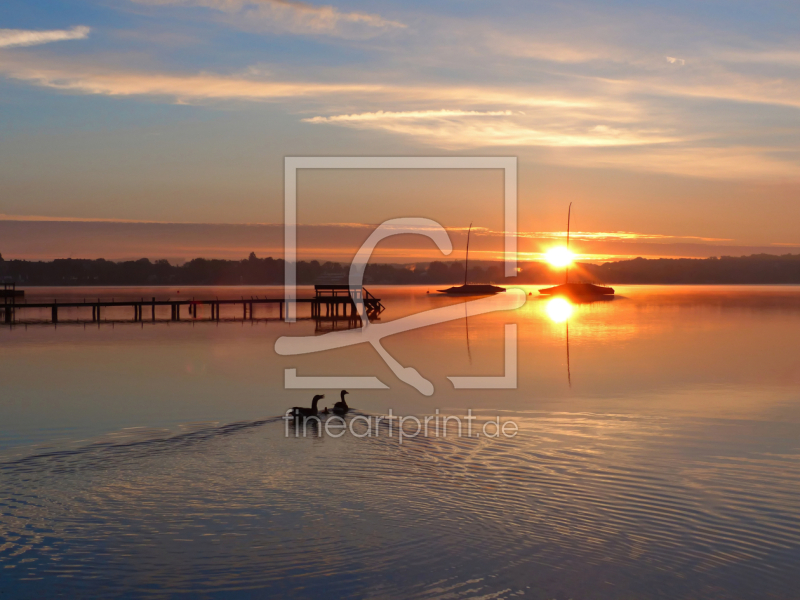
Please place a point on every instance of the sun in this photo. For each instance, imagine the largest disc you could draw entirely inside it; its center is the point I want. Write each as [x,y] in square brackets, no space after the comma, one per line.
[559,256]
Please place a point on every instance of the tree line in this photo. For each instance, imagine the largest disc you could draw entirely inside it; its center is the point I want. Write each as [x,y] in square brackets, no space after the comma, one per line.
[754,269]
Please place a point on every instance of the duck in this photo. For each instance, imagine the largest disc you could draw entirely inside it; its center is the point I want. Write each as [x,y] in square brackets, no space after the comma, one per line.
[299,411]
[341,407]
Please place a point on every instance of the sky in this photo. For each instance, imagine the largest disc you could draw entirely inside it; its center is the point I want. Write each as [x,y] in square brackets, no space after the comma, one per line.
[158,128]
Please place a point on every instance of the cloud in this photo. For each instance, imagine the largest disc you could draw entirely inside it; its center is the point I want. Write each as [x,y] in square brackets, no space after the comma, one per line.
[103,80]
[290,15]
[702,161]
[538,49]
[675,61]
[47,238]
[614,236]
[710,82]
[184,88]
[458,129]
[413,114]
[10,38]
[4,217]
[630,123]
[590,126]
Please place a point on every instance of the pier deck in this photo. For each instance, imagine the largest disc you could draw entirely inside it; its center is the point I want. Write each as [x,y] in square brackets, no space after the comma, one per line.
[333,303]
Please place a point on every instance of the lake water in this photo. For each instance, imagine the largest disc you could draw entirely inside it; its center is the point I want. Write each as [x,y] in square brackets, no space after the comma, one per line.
[661,461]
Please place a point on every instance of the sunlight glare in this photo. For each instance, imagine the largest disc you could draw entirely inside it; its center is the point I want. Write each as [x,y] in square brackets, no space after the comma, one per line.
[559,256]
[559,310]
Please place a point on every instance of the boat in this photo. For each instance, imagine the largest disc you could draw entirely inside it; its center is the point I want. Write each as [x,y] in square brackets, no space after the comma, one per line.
[577,291]
[472,289]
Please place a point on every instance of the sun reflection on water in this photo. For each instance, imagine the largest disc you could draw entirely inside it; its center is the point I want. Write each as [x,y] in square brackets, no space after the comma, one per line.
[559,310]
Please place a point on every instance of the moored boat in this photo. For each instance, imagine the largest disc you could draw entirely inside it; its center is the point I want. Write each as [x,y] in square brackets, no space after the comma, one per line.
[578,290]
[472,289]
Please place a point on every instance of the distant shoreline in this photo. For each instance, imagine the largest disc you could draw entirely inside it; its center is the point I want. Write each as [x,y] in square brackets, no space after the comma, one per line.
[757,269]
[507,284]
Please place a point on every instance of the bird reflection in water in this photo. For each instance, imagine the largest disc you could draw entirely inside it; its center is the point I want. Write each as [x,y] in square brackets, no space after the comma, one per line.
[560,310]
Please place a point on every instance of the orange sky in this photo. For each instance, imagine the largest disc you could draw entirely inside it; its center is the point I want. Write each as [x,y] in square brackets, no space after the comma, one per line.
[675,122]
[45,240]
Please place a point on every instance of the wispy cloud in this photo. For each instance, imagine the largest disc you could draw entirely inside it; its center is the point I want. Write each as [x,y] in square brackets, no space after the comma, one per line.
[48,238]
[601,236]
[10,38]
[595,236]
[411,114]
[253,85]
[290,15]
[453,129]
[45,218]
[643,116]
[182,87]
[540,119]
[704,161]
[562,51]
[615,236]
[711,82]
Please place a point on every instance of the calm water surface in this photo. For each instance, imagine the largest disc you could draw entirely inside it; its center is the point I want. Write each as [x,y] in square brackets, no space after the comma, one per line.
[661,461]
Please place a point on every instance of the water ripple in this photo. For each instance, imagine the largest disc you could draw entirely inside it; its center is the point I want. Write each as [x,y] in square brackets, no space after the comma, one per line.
[581,506]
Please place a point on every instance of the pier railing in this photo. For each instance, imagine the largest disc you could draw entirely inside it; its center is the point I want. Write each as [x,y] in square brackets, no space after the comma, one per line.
[337,300]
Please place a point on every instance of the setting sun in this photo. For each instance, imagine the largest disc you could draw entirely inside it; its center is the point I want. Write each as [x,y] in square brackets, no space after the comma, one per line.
[559,256]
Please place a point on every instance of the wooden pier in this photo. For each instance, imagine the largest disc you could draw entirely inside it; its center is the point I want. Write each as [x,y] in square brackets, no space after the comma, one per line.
[10,291]
[337,301]
[334,301]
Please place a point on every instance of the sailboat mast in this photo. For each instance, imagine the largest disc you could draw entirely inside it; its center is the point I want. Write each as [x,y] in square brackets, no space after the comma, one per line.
[466,266]
[566,269]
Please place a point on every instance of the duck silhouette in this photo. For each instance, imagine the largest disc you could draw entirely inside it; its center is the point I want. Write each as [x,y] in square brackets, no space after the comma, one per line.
[341,407]
[299,411]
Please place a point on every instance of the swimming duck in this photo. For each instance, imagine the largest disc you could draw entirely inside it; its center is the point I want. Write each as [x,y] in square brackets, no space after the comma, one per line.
[341,407]
[299,411]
